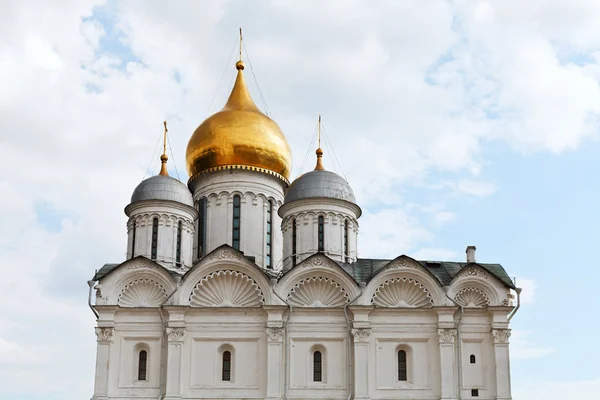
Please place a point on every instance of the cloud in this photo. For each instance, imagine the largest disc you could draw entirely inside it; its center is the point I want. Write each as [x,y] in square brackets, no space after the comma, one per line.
[407,90]
[523,349]
[529,288]
[557,390]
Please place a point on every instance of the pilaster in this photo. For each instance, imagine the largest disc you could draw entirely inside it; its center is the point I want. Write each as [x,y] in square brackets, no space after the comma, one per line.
[275,332]
[104,336]
[362,338]
[175,337]
[501,352]
[447,334]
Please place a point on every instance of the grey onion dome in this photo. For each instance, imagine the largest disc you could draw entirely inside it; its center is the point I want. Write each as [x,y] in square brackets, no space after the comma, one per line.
[319,184]
[162,187]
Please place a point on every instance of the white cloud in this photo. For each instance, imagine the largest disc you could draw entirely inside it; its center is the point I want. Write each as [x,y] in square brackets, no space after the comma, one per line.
[406,89]
[521,348]
[529,288]
[528,389]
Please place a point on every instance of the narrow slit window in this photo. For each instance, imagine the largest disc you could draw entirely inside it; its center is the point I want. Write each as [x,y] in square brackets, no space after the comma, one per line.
[472,359]
[321,233]
[201,227]
[178,250]
[142,365]
[346,253]
[154,239]
[294,243]
[226,372]
[269,235]
[317,367]
[402,370]
[236,222]
[133,234]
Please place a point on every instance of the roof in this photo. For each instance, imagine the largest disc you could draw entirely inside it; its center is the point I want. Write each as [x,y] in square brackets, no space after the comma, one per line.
[161,187]
[319,184]
[364,269]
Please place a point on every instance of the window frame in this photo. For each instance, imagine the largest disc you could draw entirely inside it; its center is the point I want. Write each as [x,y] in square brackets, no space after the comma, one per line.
[133,235]
[472,359]
[237,205]
[142,365]
[269,236]
[226,366]
[402,365]
[346,247]
[321,234]
[317,366]
[178,243]
[154,244]
[201,227]
[294,242]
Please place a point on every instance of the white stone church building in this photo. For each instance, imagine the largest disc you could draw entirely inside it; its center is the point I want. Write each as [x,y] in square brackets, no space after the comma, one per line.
[242,285]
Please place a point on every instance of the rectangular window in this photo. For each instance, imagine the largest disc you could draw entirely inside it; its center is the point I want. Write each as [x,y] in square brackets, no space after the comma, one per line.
[154,250]
[474,392]
[293,243]
[236,222]
[201,227]
[402,372]
[321,233]
[142,365]
[317,367]
[346,240]
[226,372]
[178,249]
[269,244]
[133,234]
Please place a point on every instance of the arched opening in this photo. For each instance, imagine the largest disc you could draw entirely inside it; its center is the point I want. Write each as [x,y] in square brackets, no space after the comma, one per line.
[402,366]
[201,227]
[294,238]
[346,250]
[133,235]
[226,367]
[317,366]
[472,359]
[269,236]
[178,248]
[142,365]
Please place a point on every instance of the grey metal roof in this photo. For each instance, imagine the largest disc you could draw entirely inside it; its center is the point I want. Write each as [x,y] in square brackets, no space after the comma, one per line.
[162,187]
[320,184]
[364,269]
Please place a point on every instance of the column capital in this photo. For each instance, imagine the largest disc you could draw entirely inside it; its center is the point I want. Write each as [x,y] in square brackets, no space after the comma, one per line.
[361,335]
[447,335]
[501,336]
[275,334]
[104,334]
[175,334]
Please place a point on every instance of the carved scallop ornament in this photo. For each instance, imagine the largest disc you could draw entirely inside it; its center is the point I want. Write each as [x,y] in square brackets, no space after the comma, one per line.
[142,293]
[471,297]
[402,292]
[317,292]
[226,289]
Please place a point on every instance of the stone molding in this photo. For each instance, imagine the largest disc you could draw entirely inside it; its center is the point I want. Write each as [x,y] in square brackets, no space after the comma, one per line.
[318,261]
[225,254]
[501,336]
[361,335]
[226,288]
[318,292]
[104,334]
[402,292]
[275,334]
[473,272]
[175,334]
[402,263]
[471,297]
[447,335]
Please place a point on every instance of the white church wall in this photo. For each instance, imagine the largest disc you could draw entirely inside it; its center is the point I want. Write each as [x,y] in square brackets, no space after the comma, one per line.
[255,190]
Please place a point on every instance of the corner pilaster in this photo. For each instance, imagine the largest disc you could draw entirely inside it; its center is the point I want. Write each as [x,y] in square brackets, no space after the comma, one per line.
[501,352]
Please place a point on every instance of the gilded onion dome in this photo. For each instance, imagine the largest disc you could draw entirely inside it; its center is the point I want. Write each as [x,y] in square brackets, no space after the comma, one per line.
[239,136]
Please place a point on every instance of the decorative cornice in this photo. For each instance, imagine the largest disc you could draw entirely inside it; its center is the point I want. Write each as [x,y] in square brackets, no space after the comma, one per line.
[141,264]
[501,336]
[361,335]
[275,334]
[473,272]
[175,334]
[224,254]
[104,334]
[447,335]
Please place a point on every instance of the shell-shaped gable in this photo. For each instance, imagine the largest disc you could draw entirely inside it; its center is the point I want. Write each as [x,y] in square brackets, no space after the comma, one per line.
[142,293]
[471,297]
[317,292]
[226,288]
[402,292]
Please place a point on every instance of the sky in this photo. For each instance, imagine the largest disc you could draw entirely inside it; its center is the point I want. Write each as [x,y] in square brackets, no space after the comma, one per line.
[456,122]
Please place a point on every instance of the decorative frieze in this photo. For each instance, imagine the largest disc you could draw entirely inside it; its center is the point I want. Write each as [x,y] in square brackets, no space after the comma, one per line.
[402,292]
[361,335]
[224,254]
[471,297]
[447,335]
[402,263]
[142,293]
[104,334]
[175,334]
[275,334]
[141,265]
[501,336]
[473,272]
[226,289]
[318,261]
[318,292]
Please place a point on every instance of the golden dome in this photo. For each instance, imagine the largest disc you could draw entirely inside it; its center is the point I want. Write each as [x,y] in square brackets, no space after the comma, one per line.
[239,137]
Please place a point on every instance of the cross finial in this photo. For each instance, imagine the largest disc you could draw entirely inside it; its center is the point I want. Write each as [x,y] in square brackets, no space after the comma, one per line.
[319,152]
[240,44]
[164,157]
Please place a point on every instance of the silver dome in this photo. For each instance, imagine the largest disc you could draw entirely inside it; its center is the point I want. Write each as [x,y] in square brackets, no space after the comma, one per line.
[320,183]
[161,187]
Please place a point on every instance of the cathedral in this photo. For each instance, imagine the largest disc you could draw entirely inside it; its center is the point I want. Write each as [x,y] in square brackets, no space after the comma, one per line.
[243,285]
